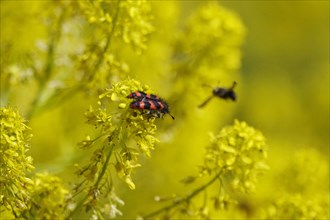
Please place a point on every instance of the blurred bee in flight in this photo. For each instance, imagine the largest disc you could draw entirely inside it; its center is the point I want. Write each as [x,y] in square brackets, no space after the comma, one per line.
[223,93]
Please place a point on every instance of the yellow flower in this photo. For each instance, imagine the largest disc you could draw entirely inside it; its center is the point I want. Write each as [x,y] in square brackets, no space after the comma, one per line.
[15,164]
[239,151]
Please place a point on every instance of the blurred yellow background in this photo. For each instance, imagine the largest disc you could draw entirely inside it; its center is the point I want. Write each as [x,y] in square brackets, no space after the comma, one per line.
[283,91]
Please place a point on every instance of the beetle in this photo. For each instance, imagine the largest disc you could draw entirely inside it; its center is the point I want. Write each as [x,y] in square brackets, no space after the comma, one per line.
[156,108]
[223,93]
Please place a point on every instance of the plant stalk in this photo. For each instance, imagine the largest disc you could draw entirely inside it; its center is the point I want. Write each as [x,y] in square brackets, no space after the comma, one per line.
[184,199]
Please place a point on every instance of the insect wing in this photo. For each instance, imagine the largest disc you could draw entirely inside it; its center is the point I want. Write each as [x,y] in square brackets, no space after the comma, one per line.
[138,95]
[153,97]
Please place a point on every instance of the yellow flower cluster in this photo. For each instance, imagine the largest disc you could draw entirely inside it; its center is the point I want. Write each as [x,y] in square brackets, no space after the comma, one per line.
[124,135]
[15,164]
[128,19]
[43,195]
[212,36]
[239,152]
[135,24]
[302,186]
[297,207]
[110,115]
[48,198]
[114,24]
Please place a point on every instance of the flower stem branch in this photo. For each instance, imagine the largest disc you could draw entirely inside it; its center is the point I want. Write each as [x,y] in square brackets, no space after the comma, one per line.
[107,44]
[104,168]
[55,35]
[103,171]
[184,199]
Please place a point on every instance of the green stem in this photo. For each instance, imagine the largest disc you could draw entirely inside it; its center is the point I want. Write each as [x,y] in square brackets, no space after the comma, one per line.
[55,35]
[107,44]
[77,207]
[104,168]
[184,199]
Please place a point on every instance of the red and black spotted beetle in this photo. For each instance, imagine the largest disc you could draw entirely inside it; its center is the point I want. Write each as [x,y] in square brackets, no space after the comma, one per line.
[223,93]
[154,105]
